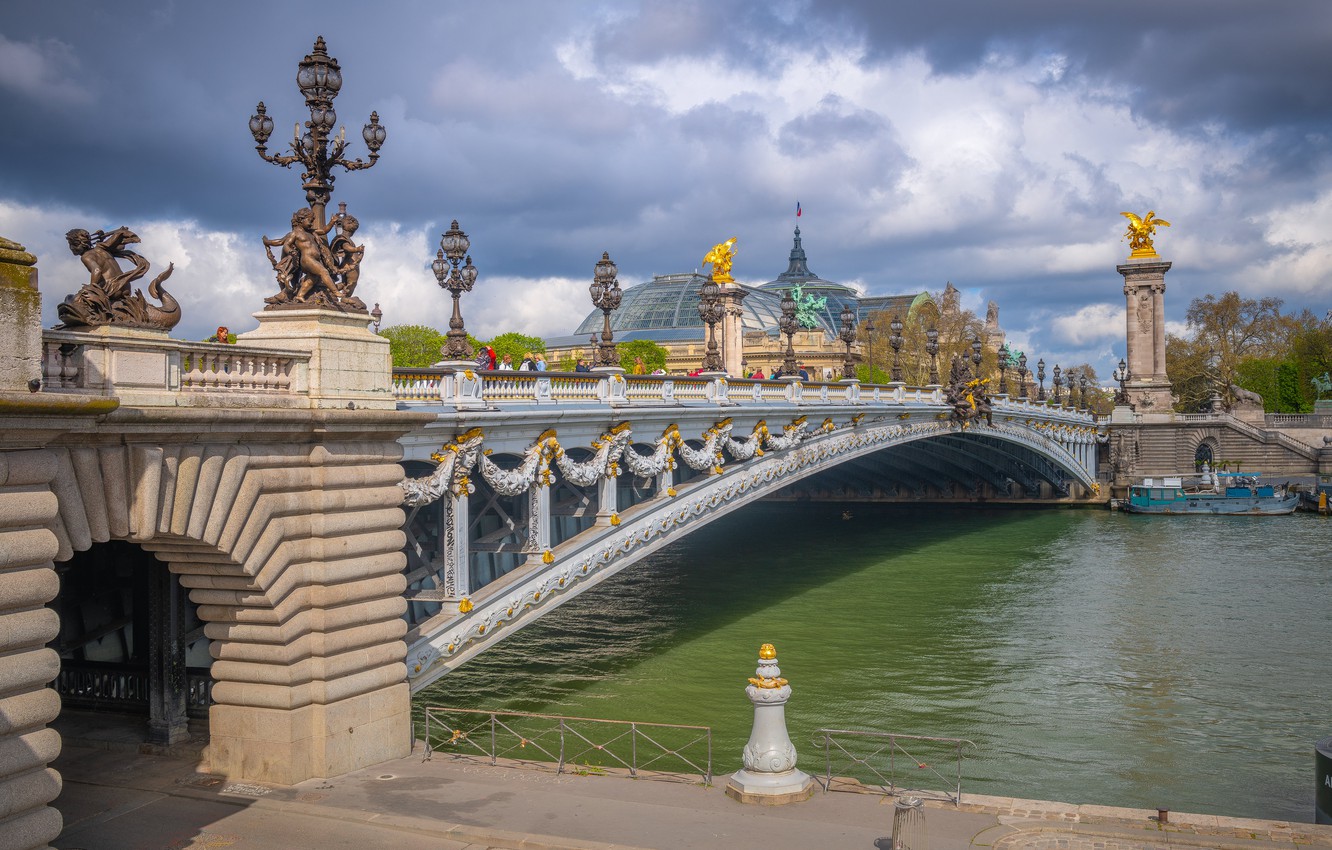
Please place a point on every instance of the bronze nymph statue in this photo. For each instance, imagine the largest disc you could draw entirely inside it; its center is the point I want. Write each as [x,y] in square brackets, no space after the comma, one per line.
[107,299]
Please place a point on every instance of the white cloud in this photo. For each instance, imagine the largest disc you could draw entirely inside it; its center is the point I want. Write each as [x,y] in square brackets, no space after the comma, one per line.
[1090,324]
[40,70]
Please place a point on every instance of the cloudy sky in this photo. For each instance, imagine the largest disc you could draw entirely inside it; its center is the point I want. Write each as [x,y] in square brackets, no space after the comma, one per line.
[991,144]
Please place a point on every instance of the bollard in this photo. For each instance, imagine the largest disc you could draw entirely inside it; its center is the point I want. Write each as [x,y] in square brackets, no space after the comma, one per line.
[770,776]
[909,824]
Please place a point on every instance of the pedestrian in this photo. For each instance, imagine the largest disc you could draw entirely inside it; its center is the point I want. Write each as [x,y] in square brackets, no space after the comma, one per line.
[528,364]
[540,362]
[804,373]
[485,359]
[758,374]
[507,363]
[581,365]
[640,368]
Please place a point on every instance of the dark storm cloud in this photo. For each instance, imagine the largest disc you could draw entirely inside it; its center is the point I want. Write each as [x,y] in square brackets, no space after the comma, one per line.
[1244,64]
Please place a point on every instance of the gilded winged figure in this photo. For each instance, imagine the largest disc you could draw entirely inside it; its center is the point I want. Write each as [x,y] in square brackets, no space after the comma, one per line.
[1140,232]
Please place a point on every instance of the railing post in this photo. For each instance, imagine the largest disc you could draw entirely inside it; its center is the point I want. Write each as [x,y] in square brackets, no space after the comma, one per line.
[457,561]
[608,494]
[538,521]
[633,750]
[493,760]
[560,767]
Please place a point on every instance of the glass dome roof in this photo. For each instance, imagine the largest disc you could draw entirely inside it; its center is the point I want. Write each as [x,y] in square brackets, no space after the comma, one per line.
[670,303]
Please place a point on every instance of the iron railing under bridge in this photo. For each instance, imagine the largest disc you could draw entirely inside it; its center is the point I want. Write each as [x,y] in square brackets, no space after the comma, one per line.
[880,762]
[102,686]
[572,744]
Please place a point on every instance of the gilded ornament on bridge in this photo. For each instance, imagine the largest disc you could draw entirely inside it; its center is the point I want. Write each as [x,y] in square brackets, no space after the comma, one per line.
[106,299]
[767,651]
[1139,233]
[720,258]
[313,271]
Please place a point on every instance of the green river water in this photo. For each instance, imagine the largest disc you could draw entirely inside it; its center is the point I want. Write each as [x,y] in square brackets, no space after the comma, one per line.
[1093,657]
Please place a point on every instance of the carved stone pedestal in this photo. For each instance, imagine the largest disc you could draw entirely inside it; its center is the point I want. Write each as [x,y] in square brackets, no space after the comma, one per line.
[350,366]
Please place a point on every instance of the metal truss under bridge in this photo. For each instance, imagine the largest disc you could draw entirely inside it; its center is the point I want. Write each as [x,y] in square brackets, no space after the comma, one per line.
[528,488]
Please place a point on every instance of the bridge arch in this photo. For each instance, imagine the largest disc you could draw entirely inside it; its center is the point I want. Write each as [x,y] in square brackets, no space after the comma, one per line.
[292,554]
[762,465]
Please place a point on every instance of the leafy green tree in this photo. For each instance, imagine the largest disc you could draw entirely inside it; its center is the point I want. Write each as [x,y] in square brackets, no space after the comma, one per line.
[654,356]
[1187,363]
[516,345]
[413,345]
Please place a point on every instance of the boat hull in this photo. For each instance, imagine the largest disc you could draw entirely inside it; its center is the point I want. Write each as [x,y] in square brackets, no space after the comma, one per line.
[1218,506]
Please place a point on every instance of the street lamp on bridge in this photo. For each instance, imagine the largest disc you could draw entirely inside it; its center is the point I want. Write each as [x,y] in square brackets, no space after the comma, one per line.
[976,355]
[453,245]
[1040,376]
[848,336]
[319,78]
[711,312]
[606,295]
[1058,384]
[932,348]
[1082,384]
[869,346]
[1003,369]
[896,342]
[1121,375]
[788,324]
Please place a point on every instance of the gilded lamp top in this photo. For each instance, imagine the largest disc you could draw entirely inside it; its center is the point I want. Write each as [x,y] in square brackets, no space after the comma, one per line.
[767,651]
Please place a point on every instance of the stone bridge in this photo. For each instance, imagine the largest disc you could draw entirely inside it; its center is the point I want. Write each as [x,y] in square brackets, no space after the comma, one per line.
[208,530]
[529,487]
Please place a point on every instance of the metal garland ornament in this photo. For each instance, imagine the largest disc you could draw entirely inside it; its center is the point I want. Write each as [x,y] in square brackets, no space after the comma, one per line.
[606,295]
[319,78]
[453,245]
[848,336]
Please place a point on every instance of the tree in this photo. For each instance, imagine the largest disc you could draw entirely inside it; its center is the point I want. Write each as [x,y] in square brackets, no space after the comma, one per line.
[654,356]
[413,345]
[1234,328]
[1190,375]
[516,345]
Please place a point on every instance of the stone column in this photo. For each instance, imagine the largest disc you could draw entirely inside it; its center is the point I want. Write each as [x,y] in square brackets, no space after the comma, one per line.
[608,501]
[27,582]
[20,320]
[1144,326]
[733,340]
[167,721]
[457,561]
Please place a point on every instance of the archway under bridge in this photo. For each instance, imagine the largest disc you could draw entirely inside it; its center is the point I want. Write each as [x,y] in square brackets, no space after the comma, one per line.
[922,459]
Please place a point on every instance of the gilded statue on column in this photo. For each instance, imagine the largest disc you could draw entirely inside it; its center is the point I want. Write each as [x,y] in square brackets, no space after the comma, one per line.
[720,257]
[1140,232]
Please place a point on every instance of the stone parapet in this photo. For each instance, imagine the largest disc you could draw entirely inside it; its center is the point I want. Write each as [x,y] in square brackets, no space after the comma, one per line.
[20,319]
[350,366]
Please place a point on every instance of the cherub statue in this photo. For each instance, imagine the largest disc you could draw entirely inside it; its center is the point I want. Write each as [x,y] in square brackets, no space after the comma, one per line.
[309,268]
[1139,233]
[106,299]
[720,257]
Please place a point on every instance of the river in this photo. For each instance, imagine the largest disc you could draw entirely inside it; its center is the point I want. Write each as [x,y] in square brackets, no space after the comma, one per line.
[1093,657]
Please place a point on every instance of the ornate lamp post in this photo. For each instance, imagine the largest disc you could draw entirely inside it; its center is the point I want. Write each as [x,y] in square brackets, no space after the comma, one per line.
[788,324]
[932,348]
[1082,392]
[710,311]
[1121,375]
[869,346]
[376,316]
[606,294]
[896,342]
[1058,384]
[976,355]
[1003,369]
[1071,381]
[319,78]
[848,336]
[453,245]
[1040,376]
[1022,375]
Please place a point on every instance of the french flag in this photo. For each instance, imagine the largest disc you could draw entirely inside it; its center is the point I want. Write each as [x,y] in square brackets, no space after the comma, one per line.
[797,209]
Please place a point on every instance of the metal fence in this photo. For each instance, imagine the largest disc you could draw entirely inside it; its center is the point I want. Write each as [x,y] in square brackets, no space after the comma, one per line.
[579,745]
[885,763]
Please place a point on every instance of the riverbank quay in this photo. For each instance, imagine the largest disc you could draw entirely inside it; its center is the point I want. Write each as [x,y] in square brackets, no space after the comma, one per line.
[118,800]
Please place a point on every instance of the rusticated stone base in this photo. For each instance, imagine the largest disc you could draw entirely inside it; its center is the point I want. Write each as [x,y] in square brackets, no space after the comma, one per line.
[777,789]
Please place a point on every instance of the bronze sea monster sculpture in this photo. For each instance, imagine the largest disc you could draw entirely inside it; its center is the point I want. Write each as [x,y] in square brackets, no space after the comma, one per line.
[107,298]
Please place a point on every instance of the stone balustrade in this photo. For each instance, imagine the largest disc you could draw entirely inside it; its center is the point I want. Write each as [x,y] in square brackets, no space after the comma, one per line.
[155,370]
[433,387]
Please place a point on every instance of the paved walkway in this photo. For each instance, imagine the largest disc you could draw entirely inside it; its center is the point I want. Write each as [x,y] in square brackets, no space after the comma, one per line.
[115,800]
